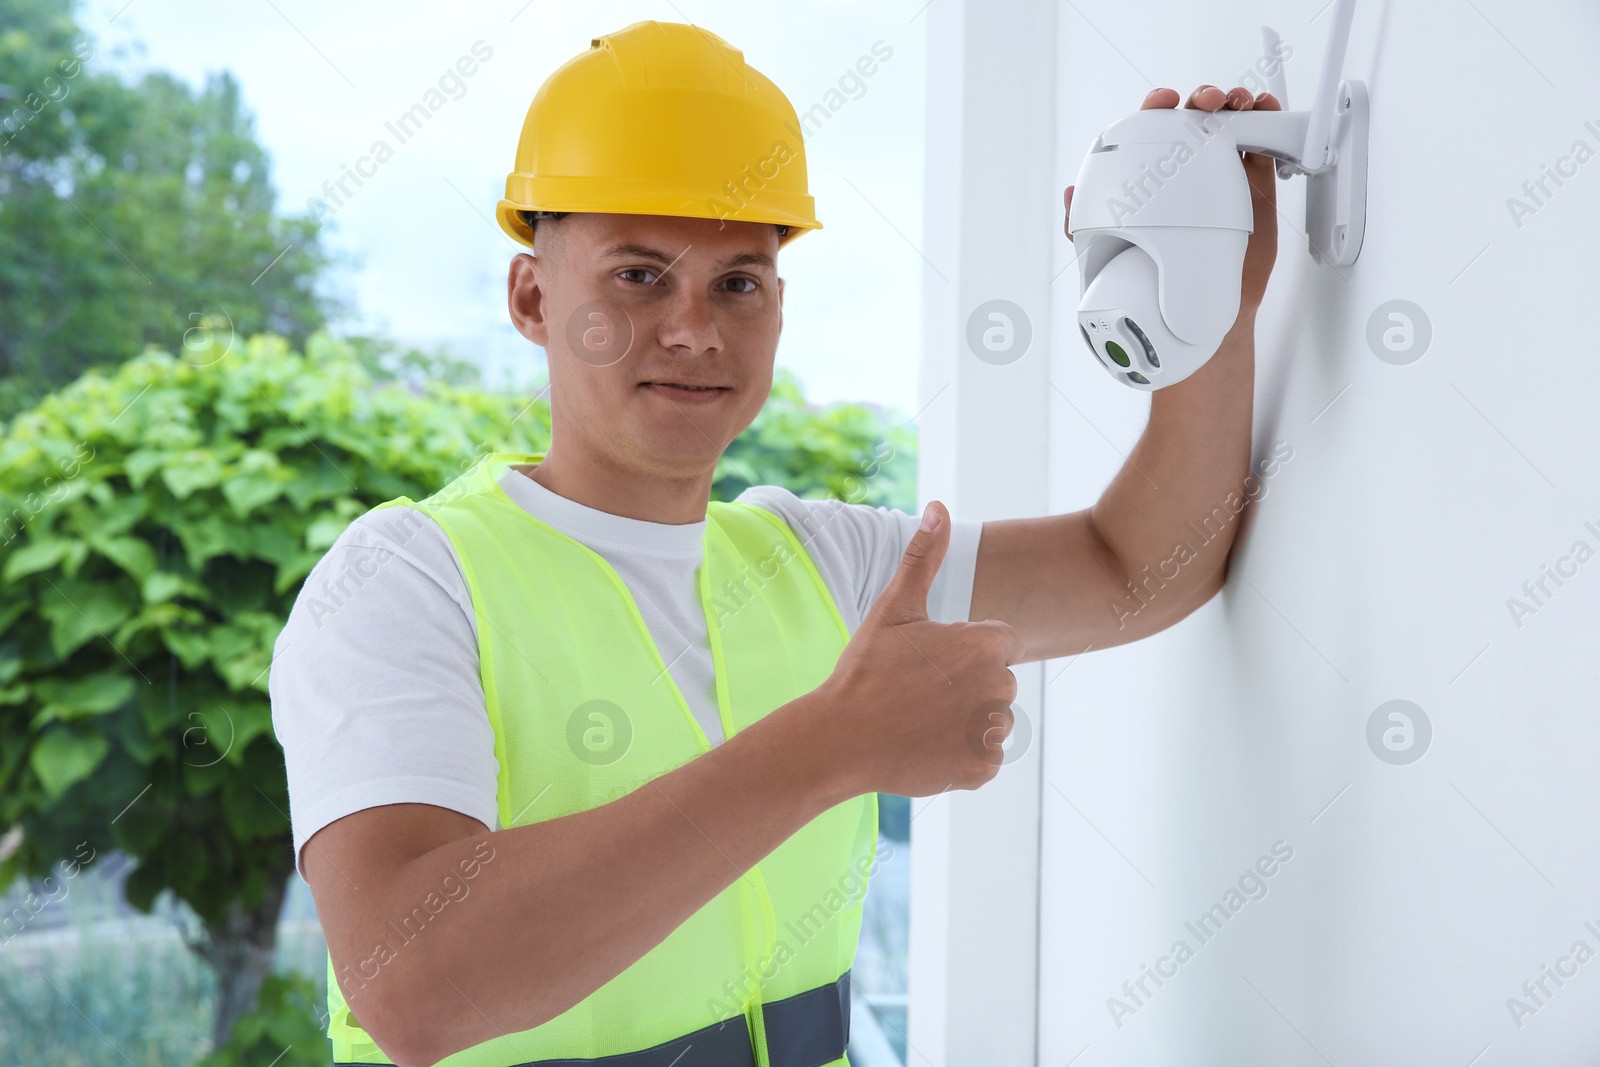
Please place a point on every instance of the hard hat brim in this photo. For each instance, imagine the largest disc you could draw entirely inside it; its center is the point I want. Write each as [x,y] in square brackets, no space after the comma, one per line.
[508,212]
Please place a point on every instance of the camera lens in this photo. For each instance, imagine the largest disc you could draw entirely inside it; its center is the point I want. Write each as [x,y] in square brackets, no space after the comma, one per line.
[1115,351]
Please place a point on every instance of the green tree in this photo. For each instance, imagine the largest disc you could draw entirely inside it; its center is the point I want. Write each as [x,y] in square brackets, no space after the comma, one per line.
[127,209]
[156,524]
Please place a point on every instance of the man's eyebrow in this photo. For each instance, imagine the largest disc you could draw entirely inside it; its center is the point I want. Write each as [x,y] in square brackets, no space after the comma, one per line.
[759,259]
[638,251]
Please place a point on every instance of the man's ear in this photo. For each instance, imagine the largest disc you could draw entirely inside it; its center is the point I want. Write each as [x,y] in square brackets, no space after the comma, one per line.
[525,299]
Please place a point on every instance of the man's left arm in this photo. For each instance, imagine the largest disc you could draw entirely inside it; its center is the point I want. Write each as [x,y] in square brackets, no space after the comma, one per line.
[1155,546]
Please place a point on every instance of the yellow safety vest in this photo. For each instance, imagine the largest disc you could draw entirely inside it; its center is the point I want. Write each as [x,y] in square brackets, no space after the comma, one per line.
[585,711]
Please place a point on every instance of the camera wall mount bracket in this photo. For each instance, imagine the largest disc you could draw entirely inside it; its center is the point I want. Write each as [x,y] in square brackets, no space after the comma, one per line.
[1328,144]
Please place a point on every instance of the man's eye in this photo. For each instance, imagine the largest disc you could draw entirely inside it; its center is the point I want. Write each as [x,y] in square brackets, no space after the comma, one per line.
[635,270]
[751,282]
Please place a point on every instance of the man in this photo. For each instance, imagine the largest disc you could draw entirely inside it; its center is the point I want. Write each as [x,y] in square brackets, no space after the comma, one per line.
[580,759]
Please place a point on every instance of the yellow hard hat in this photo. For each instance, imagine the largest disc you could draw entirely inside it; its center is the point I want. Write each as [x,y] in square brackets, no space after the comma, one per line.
[661,118]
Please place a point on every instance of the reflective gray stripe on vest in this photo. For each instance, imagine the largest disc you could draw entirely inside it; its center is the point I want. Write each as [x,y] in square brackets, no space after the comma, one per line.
[806,1030]
[810,1028]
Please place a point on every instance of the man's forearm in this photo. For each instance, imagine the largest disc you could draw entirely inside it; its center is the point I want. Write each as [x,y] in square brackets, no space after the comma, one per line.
[567,904]
[1172,512]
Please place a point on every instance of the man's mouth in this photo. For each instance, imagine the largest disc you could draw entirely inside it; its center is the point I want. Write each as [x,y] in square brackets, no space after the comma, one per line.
[685,390]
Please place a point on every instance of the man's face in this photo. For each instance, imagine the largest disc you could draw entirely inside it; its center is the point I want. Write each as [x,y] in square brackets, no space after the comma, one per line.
[631,307]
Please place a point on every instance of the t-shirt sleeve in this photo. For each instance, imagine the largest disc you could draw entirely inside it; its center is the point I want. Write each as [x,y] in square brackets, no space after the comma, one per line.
[374,683]
[857,549]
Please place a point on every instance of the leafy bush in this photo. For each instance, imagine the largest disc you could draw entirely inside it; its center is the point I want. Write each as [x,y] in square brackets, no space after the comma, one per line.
[158,522]
[282,1030]
[857,453]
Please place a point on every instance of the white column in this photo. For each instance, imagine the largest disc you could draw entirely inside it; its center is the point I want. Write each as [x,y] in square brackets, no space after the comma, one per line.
[993,215]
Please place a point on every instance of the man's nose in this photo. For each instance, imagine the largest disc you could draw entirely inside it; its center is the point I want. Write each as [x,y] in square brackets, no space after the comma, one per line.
[688,321]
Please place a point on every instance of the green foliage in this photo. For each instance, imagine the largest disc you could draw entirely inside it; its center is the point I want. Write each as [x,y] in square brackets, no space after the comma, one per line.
[127,208]
[157,524]
[851,452]
[281,1031]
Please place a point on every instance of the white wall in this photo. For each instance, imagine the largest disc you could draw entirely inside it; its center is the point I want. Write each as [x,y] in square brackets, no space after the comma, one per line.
[1378,567]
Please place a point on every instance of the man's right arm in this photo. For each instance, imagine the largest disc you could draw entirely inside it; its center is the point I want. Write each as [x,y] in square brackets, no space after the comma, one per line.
[560,907]
[556,908]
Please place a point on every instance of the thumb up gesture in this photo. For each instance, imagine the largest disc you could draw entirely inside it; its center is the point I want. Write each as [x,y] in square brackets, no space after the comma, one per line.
[920,707]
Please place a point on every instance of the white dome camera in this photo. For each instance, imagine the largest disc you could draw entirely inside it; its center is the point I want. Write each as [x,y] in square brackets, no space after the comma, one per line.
[1161,215]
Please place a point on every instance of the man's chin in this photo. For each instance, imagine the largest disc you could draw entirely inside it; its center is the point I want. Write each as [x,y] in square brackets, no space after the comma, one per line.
[682,450]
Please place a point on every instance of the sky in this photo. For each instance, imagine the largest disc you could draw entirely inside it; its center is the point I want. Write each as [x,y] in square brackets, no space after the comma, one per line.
[424,261]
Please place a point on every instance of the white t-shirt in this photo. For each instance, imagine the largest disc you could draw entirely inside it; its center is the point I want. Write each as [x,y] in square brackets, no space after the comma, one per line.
[375,692]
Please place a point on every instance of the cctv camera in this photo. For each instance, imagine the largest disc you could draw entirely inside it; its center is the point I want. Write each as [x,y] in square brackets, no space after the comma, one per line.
[1120,316]
[1162,215]
[1161,268]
